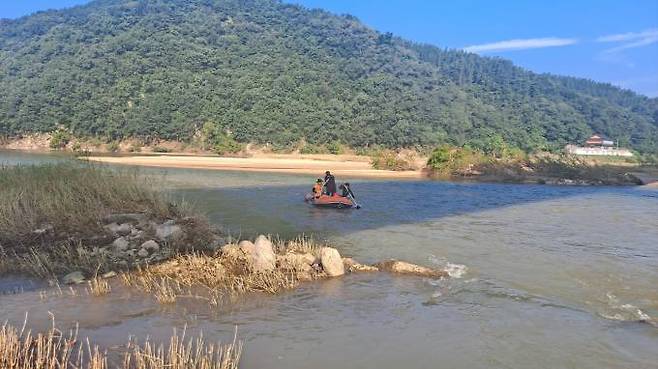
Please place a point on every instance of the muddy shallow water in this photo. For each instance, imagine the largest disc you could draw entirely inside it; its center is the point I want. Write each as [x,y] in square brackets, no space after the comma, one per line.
[544,277]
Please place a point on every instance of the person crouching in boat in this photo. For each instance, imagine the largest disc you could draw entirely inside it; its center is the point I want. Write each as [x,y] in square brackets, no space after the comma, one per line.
[346,191]
[329,183]
[317,188]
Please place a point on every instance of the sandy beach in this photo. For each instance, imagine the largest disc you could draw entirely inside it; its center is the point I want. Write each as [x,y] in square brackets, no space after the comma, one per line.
[342,165]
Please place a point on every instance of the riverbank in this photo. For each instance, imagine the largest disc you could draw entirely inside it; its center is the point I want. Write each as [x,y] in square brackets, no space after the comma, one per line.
[340,165]
[456,164]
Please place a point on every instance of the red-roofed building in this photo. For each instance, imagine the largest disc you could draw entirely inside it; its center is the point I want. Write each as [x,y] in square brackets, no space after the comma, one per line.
[598,141]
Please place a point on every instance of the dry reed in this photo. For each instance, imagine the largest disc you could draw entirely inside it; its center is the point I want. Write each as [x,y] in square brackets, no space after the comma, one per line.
[98,286]
[217,277]
[20,349]
[182,354]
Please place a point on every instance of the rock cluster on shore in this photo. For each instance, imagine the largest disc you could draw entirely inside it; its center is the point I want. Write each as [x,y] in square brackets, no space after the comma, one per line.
[258,266]
[134,239]
[259,256]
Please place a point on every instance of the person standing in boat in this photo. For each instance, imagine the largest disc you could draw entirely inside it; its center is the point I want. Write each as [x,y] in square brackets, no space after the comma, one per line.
[329,183]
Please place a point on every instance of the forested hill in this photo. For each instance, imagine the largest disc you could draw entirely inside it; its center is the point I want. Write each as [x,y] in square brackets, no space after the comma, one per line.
[272,72]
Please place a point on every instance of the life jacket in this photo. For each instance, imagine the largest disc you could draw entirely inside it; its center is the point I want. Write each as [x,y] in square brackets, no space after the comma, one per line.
[317,190]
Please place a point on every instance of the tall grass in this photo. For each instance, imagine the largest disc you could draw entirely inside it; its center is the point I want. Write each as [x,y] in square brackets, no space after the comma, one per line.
[20,349]
[68,199]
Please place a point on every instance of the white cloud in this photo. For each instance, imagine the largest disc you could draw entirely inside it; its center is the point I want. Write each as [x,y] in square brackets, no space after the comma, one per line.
[629,36]
[630,40]
[521,44]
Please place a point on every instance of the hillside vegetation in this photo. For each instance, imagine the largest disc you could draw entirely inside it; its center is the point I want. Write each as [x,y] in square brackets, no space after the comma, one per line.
[266,72]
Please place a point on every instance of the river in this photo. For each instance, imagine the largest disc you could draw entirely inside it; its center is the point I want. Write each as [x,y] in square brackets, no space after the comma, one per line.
[543,277]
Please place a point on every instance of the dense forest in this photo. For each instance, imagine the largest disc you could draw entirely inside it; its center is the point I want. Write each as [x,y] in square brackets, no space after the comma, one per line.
[267,72]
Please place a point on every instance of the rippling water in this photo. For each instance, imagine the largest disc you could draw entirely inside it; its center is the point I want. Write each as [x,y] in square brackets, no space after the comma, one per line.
[545,277]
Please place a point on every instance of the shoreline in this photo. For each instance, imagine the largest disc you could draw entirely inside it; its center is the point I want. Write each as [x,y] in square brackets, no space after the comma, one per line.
[342,165]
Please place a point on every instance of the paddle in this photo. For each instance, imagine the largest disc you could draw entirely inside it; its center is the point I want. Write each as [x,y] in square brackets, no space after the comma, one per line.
[350,195]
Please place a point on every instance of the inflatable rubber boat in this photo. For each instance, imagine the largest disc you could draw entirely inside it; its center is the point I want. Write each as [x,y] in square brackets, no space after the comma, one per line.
[336,201]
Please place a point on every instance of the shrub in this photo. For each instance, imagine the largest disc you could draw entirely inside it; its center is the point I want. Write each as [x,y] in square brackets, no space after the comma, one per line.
[390,160]
[161,149]
[225,144]
[448,160]
[135,147]
[59,139]
[313,149]
[113,146]
[221,141]
[335,148]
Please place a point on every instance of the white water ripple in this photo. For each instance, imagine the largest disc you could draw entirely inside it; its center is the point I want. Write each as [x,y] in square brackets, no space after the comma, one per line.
[453,270]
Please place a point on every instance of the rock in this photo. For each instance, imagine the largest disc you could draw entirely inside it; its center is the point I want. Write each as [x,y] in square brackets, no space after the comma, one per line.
[352,266]
[309,258]
[401,267]
[124,218]
[157,258]
[122,229]
[168,230]
[121,244]
[233,251]
[301,264]
[150,246]
[297,262]
[247,256]
[74,278]
[331,262]
[45,228]
[110,274]
[264,258]
[142,253]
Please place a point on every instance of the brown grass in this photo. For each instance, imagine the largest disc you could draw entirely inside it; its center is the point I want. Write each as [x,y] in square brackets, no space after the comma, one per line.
[182,354]
[98,286]
[20,349]
[216,277]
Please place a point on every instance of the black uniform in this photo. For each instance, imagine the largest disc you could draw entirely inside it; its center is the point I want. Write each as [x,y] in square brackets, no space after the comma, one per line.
[330,184]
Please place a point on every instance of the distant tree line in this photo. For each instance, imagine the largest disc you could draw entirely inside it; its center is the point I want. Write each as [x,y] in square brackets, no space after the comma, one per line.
[267,72]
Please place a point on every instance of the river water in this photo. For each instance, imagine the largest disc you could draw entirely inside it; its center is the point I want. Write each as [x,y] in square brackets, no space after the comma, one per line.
[543,277]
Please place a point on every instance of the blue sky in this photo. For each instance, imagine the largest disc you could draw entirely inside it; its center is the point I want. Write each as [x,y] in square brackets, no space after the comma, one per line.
[610,41]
